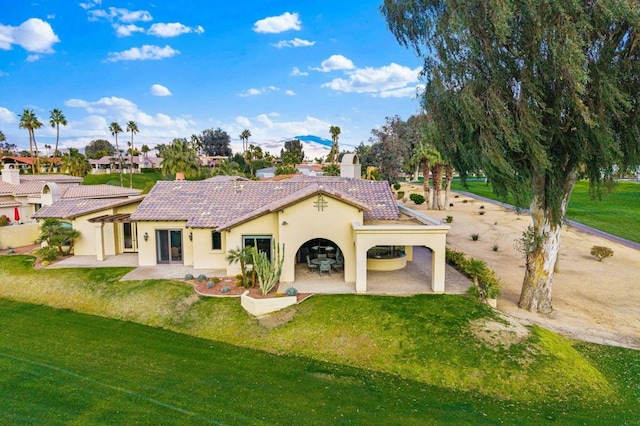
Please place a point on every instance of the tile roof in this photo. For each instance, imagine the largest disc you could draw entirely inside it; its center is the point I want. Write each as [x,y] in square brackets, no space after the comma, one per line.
[50,178]
[72,208]
[9,203]
[98,191]
[225,204]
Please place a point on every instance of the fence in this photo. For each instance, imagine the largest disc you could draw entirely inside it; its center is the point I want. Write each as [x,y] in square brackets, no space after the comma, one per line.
[19,235]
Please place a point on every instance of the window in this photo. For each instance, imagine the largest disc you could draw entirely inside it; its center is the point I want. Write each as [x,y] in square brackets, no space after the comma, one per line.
[261,242]
[216,240]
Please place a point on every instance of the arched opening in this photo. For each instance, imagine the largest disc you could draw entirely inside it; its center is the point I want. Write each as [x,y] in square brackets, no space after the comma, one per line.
[320,256]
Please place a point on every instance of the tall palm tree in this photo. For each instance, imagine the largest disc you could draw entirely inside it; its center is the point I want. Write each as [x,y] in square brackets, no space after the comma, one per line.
[2,137]
[145,150]
[335,132]
[244,137]
[426,155]
[133,128]
[57,118]
[179,157]
[29,121]
[115,128]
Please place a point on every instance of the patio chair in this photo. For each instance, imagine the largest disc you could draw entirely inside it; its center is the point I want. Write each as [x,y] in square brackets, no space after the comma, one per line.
[325,266]
[338,266]
[312,267]
[322,256]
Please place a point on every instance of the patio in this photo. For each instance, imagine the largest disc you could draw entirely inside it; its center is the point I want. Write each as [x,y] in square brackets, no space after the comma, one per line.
[415,278]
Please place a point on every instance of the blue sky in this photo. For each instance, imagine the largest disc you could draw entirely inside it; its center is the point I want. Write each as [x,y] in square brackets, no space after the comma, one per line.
[277,68]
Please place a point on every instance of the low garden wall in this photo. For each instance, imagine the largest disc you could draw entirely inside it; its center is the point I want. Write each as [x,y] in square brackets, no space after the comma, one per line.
[19,235]
[258,307]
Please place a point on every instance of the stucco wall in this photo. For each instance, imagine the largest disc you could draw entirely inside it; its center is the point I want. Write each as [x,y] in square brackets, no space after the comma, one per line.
[264,225]
[204,257]
[19,235]
[86,244]
[306,222]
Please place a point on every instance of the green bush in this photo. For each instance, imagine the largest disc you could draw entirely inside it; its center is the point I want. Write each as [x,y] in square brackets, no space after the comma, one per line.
[475,237]
[396,186]
[4,220]
[48,253]
[417,198]
[448,219]
[601,252]
[399,195]
[215,280]
[455,258]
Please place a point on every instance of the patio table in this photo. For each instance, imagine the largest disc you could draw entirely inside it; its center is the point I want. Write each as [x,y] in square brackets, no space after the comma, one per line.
[318,261]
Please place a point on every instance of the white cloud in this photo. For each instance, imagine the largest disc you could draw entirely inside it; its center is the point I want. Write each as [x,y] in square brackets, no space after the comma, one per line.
[335,62]
[405,92]
[146,52]
[159,90]
[120,15]
[290,93]
[33,35]
[384,81]
[296,72]
[127,30]
[296,42]
[90,4]
[277,24]
[243,121]
[259,91]
[6,116]
[33,58]
[173,29]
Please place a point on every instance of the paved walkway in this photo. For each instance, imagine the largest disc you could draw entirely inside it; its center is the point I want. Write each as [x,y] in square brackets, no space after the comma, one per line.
[415,278]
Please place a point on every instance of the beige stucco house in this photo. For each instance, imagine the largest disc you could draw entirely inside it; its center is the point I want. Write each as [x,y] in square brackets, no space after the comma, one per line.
[355,223]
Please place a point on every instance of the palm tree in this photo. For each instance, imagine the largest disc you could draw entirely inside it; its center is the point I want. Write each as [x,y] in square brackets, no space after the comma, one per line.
[133,128]
[475,268]
[426,155]
[145,150]
[115,128]
[29,121]
[179,157]
[2,137]
[335,132]
[75,163]
[244,137]
[57,118]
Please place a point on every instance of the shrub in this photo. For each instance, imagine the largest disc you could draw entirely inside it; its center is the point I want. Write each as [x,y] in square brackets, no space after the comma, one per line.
[10,250]
[399,195]
[188,277]
[210,284]
[291,291]
[225,289]
[396,186]
[481,207]
[450,204]
[448,219]
[495,247]
[215,280]
[481,212]
[465,201]
[201,277]
[455,258]
[475,237]
[601,252]
[417,198]
[48,253]
[240,280]
[4,220]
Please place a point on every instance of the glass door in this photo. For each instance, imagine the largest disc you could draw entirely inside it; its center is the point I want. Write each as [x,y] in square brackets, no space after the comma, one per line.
[169,245]
[130,239]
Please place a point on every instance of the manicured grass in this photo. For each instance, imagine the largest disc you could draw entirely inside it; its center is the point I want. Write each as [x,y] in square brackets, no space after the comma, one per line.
[331,359]
[617,213]
[140,180]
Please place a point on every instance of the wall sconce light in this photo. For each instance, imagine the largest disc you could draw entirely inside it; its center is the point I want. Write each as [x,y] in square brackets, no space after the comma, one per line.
[284,222]
[146,236]
[190,236]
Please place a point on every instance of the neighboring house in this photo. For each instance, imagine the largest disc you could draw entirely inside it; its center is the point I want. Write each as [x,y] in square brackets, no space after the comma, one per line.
[26,162]
[198,223]
[110,164]
[305,169]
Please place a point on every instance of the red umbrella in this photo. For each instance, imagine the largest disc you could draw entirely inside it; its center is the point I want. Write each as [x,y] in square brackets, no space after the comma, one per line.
[16,214]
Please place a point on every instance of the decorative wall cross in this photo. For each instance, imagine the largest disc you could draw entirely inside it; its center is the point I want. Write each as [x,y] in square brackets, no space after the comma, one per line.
[320,204]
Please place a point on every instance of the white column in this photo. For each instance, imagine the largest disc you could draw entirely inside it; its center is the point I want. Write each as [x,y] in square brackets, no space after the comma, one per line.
[361,266]
[438,263]
[99,241]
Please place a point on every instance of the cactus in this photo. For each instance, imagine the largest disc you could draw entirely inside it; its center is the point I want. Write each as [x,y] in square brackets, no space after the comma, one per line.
[188,277]
[201,277]
[210,284]
[291,291]
[267,273]
[225,289]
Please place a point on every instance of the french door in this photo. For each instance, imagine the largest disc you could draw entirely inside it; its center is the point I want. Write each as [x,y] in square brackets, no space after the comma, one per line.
[169,245]
[130,238]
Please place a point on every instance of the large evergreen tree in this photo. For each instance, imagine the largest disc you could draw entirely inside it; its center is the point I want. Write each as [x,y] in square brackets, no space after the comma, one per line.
[539,93]
[215,142]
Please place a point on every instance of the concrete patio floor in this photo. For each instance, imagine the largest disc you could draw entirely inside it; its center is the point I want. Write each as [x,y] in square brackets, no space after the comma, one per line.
[415,278]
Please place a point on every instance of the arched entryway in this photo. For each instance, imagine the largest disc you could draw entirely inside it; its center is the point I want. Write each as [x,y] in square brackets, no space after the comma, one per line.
[320,256]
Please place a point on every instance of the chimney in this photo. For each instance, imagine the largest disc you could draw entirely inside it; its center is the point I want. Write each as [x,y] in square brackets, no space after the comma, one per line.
[179,176]
[350,166]
[10,174]
[50,193]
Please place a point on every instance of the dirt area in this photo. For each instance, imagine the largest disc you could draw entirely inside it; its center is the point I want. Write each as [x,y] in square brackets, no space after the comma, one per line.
[593,301]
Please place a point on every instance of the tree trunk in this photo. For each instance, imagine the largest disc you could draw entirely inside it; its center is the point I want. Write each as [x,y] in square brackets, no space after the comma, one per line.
[538,279]
[425,185]
[437,186]
[448,177]
[33,165]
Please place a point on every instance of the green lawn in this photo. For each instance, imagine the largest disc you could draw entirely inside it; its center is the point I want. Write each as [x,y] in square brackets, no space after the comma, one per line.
[140,180]
[332,359]
[617,213]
